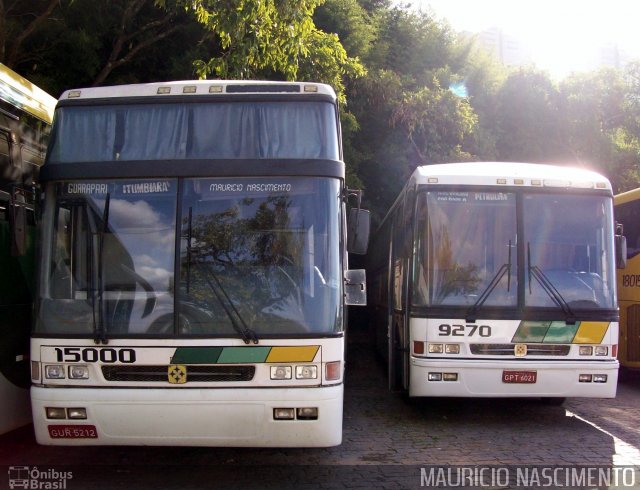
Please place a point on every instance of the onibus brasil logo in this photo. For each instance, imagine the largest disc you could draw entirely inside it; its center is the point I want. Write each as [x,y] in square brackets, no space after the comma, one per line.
[33,478]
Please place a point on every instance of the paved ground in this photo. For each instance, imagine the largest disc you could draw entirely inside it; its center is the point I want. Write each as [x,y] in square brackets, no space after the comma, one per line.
[389,442]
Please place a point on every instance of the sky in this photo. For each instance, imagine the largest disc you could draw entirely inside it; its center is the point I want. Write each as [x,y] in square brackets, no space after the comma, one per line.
[561,35]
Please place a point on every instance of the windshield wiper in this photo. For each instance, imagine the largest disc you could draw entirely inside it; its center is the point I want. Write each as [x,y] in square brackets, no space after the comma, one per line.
[100,327]
[238,323]
[504,269]
[549,288]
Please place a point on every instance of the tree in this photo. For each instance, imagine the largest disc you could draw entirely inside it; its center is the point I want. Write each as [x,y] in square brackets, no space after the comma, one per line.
[528,119]
[434,122]
[271,39]
[355,27]
[406,113]
[592,106]
[631,105]
[18,22]
[76,43]
[140,26]
[599,115]
[483,76]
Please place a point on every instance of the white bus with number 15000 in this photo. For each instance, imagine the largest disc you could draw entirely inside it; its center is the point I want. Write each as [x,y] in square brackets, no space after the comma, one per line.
[194,267]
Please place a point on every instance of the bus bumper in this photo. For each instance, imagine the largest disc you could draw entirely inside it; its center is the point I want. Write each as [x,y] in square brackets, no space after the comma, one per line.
[487,378]
[189,417]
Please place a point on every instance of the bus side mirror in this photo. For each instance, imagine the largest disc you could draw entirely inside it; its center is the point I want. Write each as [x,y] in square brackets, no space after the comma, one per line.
[355,287]
[358,231]
[621,251]
[18,223]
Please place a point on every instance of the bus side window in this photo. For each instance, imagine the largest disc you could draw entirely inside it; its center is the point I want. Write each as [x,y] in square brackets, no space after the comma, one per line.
[5,160]
[627,214]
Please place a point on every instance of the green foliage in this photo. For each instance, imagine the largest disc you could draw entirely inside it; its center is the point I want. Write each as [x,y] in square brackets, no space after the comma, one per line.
[528,119]
[407,115]
[631,105]
[624,168]
[271,38]
[88,42]
[354,26]
[395,66]
[435,123]
[600,118]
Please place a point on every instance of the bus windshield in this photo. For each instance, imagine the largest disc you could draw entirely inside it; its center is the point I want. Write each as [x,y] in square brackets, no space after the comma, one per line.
[188,130]
[469,250]
[568,248]
[253,255]
[466,240]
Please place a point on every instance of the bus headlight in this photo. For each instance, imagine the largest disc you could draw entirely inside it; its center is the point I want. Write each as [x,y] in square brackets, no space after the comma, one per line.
[602,350]
[452,348]
[77,413]
[307,413]
[56,413]
[280,372]
[436,348]
[306,372]
[586,350]
[284,413]
[54,371]
[78,372]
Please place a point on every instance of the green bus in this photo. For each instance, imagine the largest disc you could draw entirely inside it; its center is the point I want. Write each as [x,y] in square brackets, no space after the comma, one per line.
[25,120]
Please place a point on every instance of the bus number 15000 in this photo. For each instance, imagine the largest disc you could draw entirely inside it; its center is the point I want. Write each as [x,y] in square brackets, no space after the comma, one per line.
[464,330]
[90,354]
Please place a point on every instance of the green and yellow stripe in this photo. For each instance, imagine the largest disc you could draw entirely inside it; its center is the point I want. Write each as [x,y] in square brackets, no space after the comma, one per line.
[560,332]
[245,355]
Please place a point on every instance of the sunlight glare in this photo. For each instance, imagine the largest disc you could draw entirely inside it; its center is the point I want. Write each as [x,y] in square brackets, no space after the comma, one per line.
[561,36]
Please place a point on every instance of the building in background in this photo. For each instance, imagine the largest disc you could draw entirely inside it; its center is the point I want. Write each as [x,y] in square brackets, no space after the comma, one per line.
[505,47]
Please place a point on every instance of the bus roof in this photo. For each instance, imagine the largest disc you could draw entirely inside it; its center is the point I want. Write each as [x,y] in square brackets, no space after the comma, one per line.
[199,87]
[508,173]
[21,93]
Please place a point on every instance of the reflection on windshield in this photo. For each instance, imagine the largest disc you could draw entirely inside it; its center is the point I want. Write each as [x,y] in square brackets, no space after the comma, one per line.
[266,252]
[468,251]
[571,248]
[110,265]
[257,257]
[464,247]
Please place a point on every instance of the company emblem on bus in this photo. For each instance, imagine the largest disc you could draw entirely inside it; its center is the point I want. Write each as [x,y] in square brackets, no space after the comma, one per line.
[177,374]
[520,350]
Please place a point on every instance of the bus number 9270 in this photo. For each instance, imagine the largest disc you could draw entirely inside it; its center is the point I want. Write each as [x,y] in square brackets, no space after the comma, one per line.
[468,330]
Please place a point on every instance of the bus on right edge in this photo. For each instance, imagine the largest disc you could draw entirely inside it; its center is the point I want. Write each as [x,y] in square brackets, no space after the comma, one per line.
[627,213]
[498,280]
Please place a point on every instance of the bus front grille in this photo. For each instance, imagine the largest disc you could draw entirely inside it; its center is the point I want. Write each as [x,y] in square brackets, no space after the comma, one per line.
[194,373]
[508,349]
